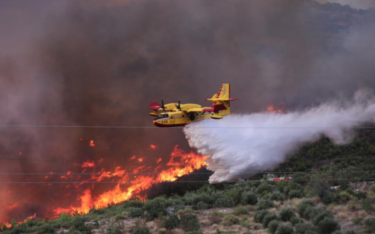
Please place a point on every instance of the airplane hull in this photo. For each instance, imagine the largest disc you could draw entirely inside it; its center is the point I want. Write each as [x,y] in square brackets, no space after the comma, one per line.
[183,120]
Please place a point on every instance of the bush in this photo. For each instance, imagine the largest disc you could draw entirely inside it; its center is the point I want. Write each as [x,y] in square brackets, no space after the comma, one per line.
[133,203]
[246,222]
[189,222]
[302,228]
[366,204]
[370,224]
[155,207]
[321,189]
[286,214]
[295,194]
[230,220]
[141,230]
[112,229]
[171,222]
[357,220]
[259,215]
[372,188]
[273,225]
[46,229]
[119,217]
[216,217]
[240,211]
[302,206]
[224,202]
[135,212]
[284,229]
[295,220]
[265,204]
[277,196]
[319,214]
[264,188]
[344,196]
[327,226]
[268,218]
[79,224]
[249,198]
[202,205]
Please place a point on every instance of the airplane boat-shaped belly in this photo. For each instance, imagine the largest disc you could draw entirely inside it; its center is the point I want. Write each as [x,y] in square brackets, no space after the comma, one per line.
[177,114]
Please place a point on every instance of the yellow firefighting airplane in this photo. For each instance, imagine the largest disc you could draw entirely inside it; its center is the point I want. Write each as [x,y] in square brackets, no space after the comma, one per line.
[177,114]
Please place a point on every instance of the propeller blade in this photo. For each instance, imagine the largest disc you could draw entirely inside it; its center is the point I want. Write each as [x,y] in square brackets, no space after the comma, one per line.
[162,104]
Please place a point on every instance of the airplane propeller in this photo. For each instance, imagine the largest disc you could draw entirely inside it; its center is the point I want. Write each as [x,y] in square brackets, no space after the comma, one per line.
[179,105]
[162,104]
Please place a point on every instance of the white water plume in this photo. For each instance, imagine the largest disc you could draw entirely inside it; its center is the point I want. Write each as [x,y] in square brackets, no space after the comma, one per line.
[243,145]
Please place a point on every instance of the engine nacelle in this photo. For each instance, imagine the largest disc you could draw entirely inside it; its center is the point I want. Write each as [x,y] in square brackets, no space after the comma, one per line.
[154,113]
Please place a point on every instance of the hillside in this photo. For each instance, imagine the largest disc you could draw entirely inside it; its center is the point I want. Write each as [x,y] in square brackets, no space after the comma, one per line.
[240,207]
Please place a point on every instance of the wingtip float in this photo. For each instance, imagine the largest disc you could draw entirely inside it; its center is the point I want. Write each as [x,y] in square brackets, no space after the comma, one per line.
[177,114]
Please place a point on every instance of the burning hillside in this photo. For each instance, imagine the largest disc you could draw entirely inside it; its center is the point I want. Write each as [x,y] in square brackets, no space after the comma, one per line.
[97,187]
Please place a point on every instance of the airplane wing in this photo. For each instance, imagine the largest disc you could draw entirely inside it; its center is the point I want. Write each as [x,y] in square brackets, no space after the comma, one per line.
[200,110]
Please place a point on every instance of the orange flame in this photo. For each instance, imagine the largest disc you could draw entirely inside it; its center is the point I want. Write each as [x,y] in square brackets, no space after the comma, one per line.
[271,109]
[88,164]
[180,164]
[153,146]
[92,144]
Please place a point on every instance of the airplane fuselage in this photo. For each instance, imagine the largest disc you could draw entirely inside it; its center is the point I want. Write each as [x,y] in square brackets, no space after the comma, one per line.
[180,118]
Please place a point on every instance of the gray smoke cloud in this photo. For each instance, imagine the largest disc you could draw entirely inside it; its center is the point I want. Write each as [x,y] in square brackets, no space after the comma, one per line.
[244,145]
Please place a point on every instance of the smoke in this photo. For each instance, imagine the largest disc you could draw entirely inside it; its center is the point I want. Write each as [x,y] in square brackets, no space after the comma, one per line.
[244,145]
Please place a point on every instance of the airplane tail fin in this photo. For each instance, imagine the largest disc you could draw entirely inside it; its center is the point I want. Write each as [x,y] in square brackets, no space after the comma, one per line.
[221,102]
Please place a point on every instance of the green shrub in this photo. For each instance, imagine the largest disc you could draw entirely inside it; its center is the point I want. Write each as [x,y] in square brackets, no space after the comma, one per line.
[302,228]
[357,220]
[284,229]
[265,204]
[46,229]
[295,194]
[273,225]
[286,214]
[155,207]
[295,220]
[319,214]
[327,226]
[133,203]
[268,218]
[78,224]
[224,202]
[249,198]
[189,222]
[372,188]
[171,222]
[194,232]
[234,194]
[259,215]
[216,217]
[135,212]
[141,230]
[246,223]
[112,229]
[119,217]
[366,204]
[303,205]
[202,206]
[240,211]
[370,224]
[264,188]
[277,196]
[321,189]
[344,196]
[230,220]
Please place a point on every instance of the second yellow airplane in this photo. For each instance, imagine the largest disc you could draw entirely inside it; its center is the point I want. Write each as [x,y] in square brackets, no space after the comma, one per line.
[177,114]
